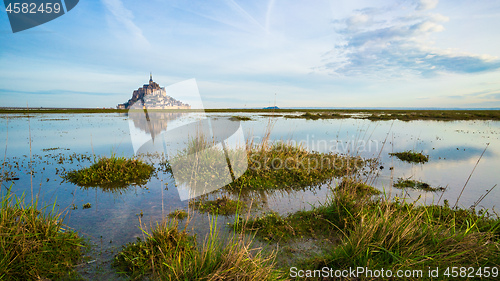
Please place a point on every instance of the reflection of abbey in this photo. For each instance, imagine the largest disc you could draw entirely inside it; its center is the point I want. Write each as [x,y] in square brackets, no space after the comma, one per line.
[153,97]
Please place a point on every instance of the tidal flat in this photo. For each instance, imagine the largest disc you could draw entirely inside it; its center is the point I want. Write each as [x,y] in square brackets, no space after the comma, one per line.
[312,220]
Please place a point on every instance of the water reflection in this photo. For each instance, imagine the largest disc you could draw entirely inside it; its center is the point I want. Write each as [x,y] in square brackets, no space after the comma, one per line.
[462,153]
[151,123]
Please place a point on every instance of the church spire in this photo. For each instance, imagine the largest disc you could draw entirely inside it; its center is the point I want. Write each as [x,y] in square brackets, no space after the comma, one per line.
[150,77]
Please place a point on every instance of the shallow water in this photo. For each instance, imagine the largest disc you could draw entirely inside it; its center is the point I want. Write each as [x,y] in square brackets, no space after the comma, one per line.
[113,220]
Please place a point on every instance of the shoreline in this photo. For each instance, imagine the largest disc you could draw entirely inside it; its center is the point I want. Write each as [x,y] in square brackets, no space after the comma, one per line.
[310,114]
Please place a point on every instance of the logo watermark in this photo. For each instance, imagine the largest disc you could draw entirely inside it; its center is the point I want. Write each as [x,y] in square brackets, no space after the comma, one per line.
[25,14]
[204,153]
[365,272]
[354,272]
[351,146]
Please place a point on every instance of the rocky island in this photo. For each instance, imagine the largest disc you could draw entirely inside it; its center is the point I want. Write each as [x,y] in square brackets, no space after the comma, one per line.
[153,97]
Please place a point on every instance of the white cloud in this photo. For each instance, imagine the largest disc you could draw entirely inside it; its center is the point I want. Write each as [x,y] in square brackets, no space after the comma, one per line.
[427,4]
[125,20]
[394,42]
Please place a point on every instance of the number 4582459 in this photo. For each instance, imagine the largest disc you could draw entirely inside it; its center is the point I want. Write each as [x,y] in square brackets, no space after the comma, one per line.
[33,8]
[471,272]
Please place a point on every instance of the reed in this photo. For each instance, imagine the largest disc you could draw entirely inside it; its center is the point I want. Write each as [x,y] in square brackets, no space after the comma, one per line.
[168,253]
[34,243]
[397,235]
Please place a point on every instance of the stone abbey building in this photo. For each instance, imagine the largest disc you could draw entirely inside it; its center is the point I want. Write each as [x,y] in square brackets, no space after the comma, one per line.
[153,97]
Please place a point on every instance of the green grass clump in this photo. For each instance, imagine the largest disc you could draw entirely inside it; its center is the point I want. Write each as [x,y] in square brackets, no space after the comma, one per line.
[112,173]
[411,156]
[241,118]
[170,254]
[287,166]
[221,206]
[311,116]
[397,235]
[166,243]
[409,183]
[178,214]
[390,237]
[34,244]
[359,188]
[377,233]
[323,221]
[270,226]
[438,115]
[269,166]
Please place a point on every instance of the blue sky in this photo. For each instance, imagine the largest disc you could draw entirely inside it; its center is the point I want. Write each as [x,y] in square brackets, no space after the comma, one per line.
[415,53]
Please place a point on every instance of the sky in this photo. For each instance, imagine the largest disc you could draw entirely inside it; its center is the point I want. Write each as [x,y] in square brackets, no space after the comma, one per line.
[252,54]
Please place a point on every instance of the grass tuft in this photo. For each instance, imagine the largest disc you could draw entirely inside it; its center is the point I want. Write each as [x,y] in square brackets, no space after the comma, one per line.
[221,206]
[170,254]
[397,235]
[270,166]
[323,221]
[409,183]
[287,166]
[112,173]
[411,156]
[311,116]
[34,244]
[240,118]
[178,214]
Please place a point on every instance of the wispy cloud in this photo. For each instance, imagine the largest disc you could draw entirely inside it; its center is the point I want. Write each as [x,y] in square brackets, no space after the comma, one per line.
[491,95]
[56,92]
[228,13]
[426,4]
[397,41]
[124,18]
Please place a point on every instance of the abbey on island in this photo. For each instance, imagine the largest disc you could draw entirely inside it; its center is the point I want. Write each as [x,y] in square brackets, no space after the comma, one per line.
[153,97]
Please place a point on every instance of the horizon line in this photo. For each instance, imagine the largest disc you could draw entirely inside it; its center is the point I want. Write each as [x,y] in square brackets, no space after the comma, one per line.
[266,108]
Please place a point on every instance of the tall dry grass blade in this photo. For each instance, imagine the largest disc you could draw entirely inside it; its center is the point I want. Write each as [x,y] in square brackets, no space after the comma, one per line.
[470,175]
[378,156]
[31,158]
[482,197]
[5,155]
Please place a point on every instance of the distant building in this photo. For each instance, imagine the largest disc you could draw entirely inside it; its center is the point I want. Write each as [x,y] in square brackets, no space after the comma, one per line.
[153,97]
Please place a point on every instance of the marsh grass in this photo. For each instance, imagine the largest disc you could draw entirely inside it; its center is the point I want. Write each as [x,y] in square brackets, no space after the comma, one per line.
[311,116]
[203,165]
[34,243]
[398,235]
[411,156]
[112,173]
[178,214]
[240,118]
[168,253]
[415,184]
[323,221]
[357,187]
[373,114]
[379,232]
[282,165]
[220,206]
[270,165]
[437,115]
